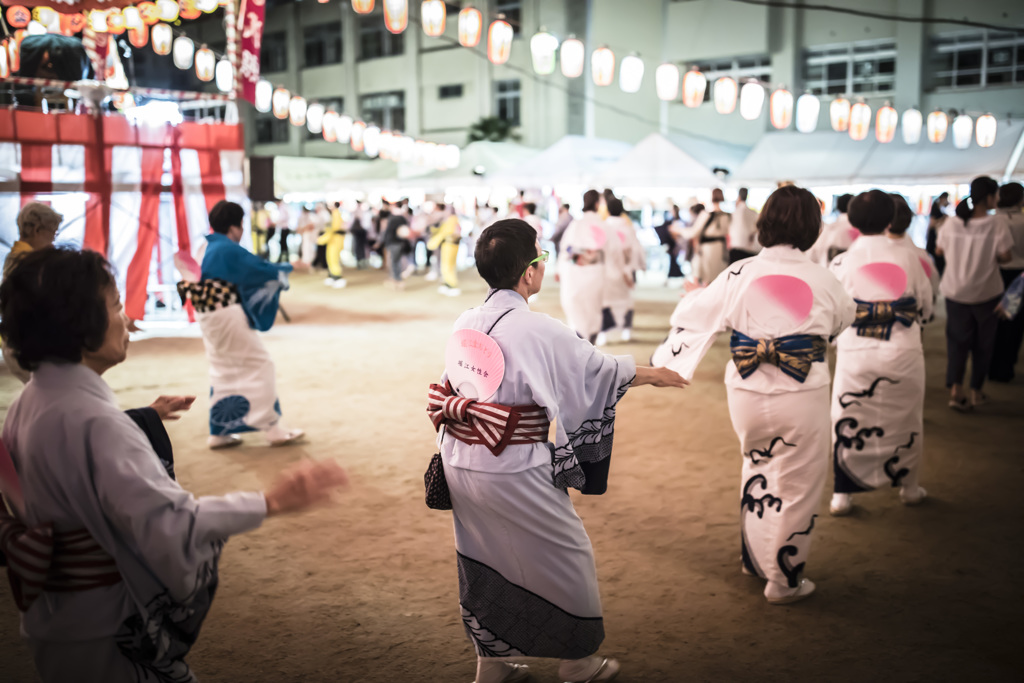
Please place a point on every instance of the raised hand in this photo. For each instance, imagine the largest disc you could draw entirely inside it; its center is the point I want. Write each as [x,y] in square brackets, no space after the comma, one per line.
[304,484]
[168,407]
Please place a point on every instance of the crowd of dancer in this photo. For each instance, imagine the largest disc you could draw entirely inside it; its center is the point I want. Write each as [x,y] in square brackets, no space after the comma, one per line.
[114,566]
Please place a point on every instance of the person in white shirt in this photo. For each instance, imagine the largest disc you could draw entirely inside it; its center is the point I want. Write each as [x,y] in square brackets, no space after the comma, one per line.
[709,232]
[878,389]
[836,237]
[624,256]
[1010,333]
[974,244]
[581,270]
[743,230]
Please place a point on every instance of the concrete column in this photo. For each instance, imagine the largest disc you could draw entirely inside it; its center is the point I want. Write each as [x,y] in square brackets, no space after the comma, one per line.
[296,54]
[910,48]
[785,36]
[484,69]
[413,94]
[576,12]
[349,56]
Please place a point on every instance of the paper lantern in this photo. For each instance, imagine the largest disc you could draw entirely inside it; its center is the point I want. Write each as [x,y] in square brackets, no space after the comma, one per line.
[329,126]
[631,73]
[264,95]
[315,118]
[572,55]
[362,6]
[163,37]
[371,141]
[666,82]
[602,66]
[343,129]
[280,103]
[356,135]
[5,66]
[98,21]
[206,64]
[985,130]
[386,142]
[139,37]
[938,124]
[433,14]
[18,16]
[860,121]
[209,6]
[808,107]
[542,49]
[471,22]
[885,123]
[297,110]
[167,10]
[187,10]
[751,100]
[35,28]
[183,50]
[132,18]
[14,56]
[726,91]
[963,131]
[839,114]
[912,124]
[780,108]
[499,41]
[225,76]
[396,15]
[149,13]
[694,86]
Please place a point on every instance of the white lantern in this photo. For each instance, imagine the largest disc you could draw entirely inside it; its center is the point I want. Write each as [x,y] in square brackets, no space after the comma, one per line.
[362,6]
[726,91]
[329,126]
[48,18]
[433,14]
[938,124]
[280,103]
[631,73]
[808,107]
[694,86]
[35,28]
[471,23]
[542,48]
[912,123]
[499,40]
[98,21]
[297,111]
[132,18]
[963,131]
[860,121]
[315,118]
[184,50]
[162,36]
[167,10]
[207,6]
[264,95]
[396,15]
[885,124]
[985,130]
[839,114]
[206,63]
[572,56]
[602,66]
[343,129]
[751,100]
[225,76]
[371,141]
[780,108]
[356,137]
[5,67]
[452,155]
[666,81]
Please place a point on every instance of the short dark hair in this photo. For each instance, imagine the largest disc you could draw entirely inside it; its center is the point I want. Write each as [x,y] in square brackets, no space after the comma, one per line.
[615,207]
[697,209]
[791,216]
[871,212]
[53,306]
[843,203]
[224,215]
[902,216]
[590,199]
[1010,195]
[504,250]
[531,207]
[717,195]
[743,194]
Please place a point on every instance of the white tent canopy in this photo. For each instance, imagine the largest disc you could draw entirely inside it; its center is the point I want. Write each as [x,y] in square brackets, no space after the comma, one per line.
[830,158]
[478,162]
[573,160]
[656,162]
[712,153]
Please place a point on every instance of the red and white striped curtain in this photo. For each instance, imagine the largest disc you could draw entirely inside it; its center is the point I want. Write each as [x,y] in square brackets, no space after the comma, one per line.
[135,194]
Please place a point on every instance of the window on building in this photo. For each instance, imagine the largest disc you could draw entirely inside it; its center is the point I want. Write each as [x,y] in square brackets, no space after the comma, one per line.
[738,68]
[274,52]
[376,41]
[863,68]
[513,11]
[323,44]
[507,100]
[335,104]
[449,92]
[385,109]
[270,129]
[977,58]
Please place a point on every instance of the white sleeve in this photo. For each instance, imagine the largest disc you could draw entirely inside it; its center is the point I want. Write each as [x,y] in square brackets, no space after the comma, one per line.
[696,322]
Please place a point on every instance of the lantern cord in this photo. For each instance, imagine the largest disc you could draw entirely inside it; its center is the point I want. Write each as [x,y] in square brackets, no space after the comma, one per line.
[881,15]
[3,22]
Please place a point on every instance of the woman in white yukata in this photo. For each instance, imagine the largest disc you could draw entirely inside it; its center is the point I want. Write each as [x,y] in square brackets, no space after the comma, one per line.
[624,256]
[527,579]
[709,233]
[783,309]
[112,564]
[878,390]
[581,270]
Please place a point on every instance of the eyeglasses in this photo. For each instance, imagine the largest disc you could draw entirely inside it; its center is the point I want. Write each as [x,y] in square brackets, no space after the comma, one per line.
[543,258]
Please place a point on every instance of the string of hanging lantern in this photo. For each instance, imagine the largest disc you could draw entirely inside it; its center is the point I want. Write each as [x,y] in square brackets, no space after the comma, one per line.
[784,109]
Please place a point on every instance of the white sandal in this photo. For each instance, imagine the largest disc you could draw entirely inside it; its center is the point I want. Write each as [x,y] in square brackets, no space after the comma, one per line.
[608,670]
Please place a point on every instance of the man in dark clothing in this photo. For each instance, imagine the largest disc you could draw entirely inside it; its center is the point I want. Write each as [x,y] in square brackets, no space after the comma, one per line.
[665,235]
[394,241]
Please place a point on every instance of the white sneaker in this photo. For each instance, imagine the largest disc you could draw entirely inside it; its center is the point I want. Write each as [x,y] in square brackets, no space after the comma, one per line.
[841,505]
[431,276]
[805,589]
[339,283]
[912,496]
[225,441]
[627,334]
[602,339]
[329,281]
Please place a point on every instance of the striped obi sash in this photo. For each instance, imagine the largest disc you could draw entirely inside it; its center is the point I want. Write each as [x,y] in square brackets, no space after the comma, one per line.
[793,354]
[39,559]
[490,424]
[876,318]
[209,295]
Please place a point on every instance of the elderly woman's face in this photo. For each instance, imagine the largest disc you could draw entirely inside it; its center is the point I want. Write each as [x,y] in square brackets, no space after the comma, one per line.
[115,344]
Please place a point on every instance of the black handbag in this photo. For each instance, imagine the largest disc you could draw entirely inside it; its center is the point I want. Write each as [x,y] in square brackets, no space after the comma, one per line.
[437,495]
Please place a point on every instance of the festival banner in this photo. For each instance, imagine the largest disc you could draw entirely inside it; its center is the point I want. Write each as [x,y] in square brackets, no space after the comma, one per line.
[252,38]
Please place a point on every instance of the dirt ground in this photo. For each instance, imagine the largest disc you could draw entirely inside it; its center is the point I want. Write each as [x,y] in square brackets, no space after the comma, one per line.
[366,590]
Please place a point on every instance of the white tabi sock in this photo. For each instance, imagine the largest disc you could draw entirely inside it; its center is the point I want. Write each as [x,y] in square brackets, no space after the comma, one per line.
[579,669]
[492,670]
